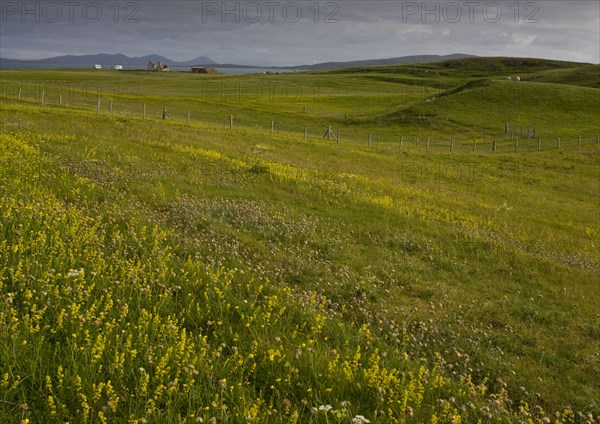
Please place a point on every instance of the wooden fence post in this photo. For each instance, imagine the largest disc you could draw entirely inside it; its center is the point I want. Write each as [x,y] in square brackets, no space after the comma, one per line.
[164,116]
[369,139]
[110,107]
[427,145]
[474,144]
[43,98]
[188,117]
[272,126]
[494,146]
[230,122]
[539,145]
[305,132]
[60,99]
[98,106]
[19,95]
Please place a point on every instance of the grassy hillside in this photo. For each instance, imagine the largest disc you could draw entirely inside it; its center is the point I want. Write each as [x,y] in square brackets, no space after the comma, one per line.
[154,271]
[473,67]
[587,76]
[553,109]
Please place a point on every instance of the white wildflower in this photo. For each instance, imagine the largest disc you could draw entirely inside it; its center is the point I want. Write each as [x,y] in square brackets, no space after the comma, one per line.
[75,272]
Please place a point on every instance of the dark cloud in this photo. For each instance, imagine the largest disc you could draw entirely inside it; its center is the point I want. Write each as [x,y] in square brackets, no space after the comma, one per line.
[296,32]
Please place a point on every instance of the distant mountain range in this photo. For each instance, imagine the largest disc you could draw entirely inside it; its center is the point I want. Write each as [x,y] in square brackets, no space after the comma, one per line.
[101,59]
[121,59]
[141,62]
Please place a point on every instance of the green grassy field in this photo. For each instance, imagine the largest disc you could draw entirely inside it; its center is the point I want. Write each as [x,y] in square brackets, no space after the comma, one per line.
[160,271]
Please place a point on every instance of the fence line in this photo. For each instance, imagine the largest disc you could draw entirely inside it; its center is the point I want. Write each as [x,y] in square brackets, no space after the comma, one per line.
[492,143]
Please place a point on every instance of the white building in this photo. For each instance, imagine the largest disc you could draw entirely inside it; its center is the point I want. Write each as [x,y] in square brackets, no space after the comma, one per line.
[97,66]
[118,67]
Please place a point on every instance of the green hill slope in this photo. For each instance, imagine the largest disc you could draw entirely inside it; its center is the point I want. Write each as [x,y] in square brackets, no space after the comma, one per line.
[157,271]
[587,76]
[553,109]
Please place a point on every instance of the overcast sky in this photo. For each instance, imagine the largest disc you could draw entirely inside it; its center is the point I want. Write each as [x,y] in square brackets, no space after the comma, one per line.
[300,32]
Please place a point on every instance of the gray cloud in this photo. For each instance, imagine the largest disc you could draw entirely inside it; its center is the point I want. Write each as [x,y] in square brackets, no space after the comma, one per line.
[272,32]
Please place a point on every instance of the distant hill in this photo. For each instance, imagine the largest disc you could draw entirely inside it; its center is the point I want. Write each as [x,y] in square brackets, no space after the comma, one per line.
[454,71]
[504,64]
[586,75]
[102,59]
[403,60]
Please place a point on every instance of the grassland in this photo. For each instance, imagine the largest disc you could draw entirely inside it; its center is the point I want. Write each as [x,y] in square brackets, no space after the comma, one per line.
[155,271]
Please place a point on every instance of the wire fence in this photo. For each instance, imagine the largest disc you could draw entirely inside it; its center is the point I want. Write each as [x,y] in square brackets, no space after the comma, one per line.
[513,138]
